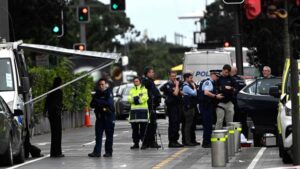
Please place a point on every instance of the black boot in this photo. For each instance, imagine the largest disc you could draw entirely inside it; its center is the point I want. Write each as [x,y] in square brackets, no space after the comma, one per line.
[154,145]
[135,146]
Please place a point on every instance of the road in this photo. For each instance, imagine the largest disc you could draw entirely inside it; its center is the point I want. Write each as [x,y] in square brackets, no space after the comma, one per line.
[77,143]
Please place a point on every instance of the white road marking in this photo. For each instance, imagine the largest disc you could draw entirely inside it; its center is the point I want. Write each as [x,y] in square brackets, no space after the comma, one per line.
[123,166]
[257,157]
[90,143]
[29,162]
[43,144]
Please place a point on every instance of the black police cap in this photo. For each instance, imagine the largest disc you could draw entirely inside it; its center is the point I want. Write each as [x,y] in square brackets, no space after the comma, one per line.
[216,72]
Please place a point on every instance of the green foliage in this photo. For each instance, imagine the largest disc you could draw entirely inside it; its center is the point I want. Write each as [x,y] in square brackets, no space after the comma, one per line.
[262,33]
[75,96]
[155,54]
[33,20]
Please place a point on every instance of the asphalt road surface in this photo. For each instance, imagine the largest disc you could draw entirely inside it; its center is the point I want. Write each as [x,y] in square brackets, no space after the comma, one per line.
[77,143]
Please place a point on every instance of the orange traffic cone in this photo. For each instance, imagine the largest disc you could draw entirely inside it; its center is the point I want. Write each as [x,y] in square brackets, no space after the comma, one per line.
[87,122]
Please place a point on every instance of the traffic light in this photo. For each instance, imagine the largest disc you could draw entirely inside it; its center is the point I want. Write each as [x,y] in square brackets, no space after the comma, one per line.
[117,5]
[79,46]
[57,29]
[226,44]
[83,14]
[253,8]
[57,25]
[232,2]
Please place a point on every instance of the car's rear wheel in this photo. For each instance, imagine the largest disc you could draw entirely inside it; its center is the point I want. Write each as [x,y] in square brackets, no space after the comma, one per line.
[20,158]
[7,158]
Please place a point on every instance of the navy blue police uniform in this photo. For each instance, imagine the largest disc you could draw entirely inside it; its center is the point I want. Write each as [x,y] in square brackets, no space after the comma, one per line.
[153,102]
[105,120]
[173,104]
[207,108]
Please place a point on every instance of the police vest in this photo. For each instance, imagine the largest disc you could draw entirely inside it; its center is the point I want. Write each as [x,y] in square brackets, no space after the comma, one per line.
[203,99]
[189,101]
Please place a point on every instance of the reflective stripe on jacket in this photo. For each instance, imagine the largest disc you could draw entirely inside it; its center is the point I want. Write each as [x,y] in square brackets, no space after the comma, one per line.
[139,112]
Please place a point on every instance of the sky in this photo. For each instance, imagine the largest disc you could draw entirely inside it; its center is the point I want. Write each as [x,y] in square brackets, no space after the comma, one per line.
[160,17]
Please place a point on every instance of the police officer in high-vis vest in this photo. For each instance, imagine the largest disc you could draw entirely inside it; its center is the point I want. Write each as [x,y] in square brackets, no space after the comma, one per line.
[207,103]
[139,114]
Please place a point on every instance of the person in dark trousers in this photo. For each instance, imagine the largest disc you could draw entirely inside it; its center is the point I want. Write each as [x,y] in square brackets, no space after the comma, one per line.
[153,102]
[190,102]
[207,103]
[54,104]
[139,114]
[173,101]
[105,119]
[225,108]
[239,116]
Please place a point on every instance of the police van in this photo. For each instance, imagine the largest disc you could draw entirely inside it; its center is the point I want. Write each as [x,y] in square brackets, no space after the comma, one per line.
[201,62]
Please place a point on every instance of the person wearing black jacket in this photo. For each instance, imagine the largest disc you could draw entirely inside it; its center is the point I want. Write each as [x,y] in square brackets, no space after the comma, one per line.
[173,101]
[153,102]
[227,87]
[105,119]
[54,104]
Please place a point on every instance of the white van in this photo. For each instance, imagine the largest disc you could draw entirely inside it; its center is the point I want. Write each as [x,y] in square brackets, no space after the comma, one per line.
[201,62]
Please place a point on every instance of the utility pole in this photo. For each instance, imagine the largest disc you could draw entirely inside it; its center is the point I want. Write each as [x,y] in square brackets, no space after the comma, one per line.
[4,26]
[83,28]
[238,42]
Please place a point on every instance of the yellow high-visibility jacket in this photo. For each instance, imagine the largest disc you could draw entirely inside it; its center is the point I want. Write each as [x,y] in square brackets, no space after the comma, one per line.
[139,112]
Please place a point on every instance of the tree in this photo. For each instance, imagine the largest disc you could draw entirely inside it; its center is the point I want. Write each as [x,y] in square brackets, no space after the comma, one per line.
[155,53]
[263,33]
[31,21]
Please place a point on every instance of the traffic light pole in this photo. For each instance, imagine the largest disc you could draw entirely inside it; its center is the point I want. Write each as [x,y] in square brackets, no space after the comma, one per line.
[4,26]
[82,28]
[238,42]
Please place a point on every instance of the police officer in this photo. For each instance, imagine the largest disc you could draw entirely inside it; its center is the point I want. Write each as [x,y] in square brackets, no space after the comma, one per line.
[190,102]
[138,116]
[171,91]
[207,98]
[105,119]
[238,115]
[153,102]
[225,108]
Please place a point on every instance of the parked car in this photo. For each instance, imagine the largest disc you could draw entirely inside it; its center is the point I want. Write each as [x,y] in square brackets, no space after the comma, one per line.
[161,109]
[255,101]
[11,140]
[121,101]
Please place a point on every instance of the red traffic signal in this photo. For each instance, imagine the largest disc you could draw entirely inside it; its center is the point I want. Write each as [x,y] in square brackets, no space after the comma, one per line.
[253,8]
[83,14]
[79,46]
